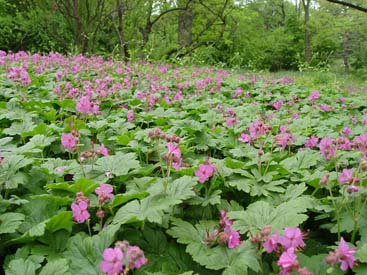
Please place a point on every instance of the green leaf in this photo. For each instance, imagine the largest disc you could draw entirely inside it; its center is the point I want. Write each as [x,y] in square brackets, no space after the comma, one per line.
[361,254]
[17,128]
[212,199]
[241,183]
[10,222]
[62,220]
[153,207]
[233,261]
[302,160]
[85,253]
[181,189]
[9,175]
[21,266]
[127,213]
[119,165]
[37,230]
[123,198]
[56,267]
[41,141]
[261,213]
[316,264]
[84,185]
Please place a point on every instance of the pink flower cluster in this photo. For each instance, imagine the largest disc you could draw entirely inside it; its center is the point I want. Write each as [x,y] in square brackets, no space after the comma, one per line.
[205,171]
[360,143]
[225,235]
[92,152]
[231,118]
[313,96]
[256,130]
[80,208]
[347,177]
[286,246]
[343,255]
[174,155]
[19,75]
[104,192]
[278,104]
[327,148]
[285,138]
[69,141]
[87,106]
[311,142]
[122,258]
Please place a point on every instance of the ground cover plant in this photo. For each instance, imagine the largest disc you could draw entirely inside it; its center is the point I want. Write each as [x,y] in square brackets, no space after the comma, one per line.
[113,168]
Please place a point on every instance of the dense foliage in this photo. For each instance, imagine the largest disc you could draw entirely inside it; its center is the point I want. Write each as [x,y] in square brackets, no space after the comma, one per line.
[257,35]
[114,168]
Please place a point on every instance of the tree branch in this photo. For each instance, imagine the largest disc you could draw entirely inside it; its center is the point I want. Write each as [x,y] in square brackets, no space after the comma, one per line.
[347,4]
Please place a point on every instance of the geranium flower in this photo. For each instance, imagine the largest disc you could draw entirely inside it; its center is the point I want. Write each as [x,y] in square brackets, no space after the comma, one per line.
[104,192]
[327,148]
[292,238]
[205,171]
[112,261]
[69,141]
[80,211]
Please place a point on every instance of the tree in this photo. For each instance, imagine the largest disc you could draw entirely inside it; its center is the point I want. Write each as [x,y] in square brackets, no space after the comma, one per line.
[121,30]
[84,19]
[306,6]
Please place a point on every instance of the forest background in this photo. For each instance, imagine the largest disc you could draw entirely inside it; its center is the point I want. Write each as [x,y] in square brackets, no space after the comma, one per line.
[256,35]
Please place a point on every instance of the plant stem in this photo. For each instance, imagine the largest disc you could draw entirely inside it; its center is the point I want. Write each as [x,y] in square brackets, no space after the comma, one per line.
[89,230]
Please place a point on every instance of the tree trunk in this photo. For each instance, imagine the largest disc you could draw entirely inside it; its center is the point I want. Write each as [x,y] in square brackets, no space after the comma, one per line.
[306,7]
[185,18]
[121,31]
[346,50]
[146,30]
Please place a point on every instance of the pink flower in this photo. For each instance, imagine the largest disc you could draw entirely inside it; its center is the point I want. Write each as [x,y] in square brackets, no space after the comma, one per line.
[346,176]
[104,192]
[314,96]
[360,143]
[271,243]
[69,141]
[174,154]
[343,143]
[84,105]
[205,171]
[288,261]
[278,104]
[102,150]
[258,128]
[354,120]
[231,112]
[345,255]
[231,121]
[80,211]
[234,238]
[178,96]
[325,108]
[224,222]
[283,139]
[292,238]
[295,116]
[347,131]
[135,257]
[112,261]
[311,142]
[327,148]
[130,116]
[244,138]
[352,189]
